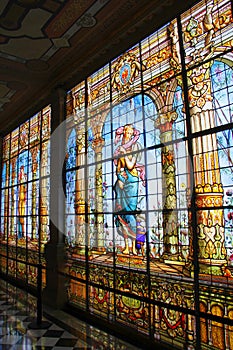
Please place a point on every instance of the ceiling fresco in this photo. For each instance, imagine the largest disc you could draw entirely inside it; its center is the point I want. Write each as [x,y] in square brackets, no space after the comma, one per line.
[46,43]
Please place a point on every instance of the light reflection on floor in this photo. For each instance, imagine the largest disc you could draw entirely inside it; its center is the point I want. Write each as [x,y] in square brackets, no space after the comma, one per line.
[18,310]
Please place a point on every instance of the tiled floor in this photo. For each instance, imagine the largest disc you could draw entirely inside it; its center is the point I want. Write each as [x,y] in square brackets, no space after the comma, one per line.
[18,311]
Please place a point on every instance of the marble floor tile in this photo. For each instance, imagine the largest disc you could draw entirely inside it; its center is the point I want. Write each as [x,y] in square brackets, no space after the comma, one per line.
[18,312]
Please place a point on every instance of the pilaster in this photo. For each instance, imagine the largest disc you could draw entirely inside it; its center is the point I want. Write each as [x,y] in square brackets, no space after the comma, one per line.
[170,220]
[55,291]
[208,187]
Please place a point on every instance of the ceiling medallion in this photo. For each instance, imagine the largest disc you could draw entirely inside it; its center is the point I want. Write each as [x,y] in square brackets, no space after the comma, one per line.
[87,21]
[125,71]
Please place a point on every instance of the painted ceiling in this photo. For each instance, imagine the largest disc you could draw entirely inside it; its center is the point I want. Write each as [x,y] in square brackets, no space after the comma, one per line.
[46,43]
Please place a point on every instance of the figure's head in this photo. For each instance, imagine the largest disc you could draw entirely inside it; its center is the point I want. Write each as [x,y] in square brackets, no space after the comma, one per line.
[128,131]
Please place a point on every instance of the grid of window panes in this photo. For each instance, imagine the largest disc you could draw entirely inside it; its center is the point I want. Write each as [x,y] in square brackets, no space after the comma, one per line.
[25,198]
[149,184]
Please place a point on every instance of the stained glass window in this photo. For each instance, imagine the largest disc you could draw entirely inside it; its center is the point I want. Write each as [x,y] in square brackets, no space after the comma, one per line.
[149,184]
[25,198]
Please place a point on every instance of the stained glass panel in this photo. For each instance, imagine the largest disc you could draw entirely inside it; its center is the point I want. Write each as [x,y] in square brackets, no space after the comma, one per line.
[161,55]
[24,197]
[206,31]
[126,74]
[149,184]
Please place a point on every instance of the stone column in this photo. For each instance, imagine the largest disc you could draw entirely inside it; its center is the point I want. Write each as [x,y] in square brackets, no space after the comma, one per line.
[6,195]
[208,186]
[97,145]
[4,209]
[226,329]
[55,291]
[13,174]
[190,320]
[80,227]
[157,323]
[34,153]
[43,194]
[170,220]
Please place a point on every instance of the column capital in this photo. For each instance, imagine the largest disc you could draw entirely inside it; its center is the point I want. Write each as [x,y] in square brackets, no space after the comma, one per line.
[97,144]
[165,120]
[60,89]
[80,141]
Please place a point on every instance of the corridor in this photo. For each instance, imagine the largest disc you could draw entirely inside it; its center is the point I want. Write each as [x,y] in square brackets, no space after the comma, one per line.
[18,311]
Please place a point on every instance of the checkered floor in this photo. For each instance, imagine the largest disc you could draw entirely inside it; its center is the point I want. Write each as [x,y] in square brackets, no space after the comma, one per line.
[18,312]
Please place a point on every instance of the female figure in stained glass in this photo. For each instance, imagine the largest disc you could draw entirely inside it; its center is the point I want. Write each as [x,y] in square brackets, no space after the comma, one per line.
[128,172]
[22,200]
